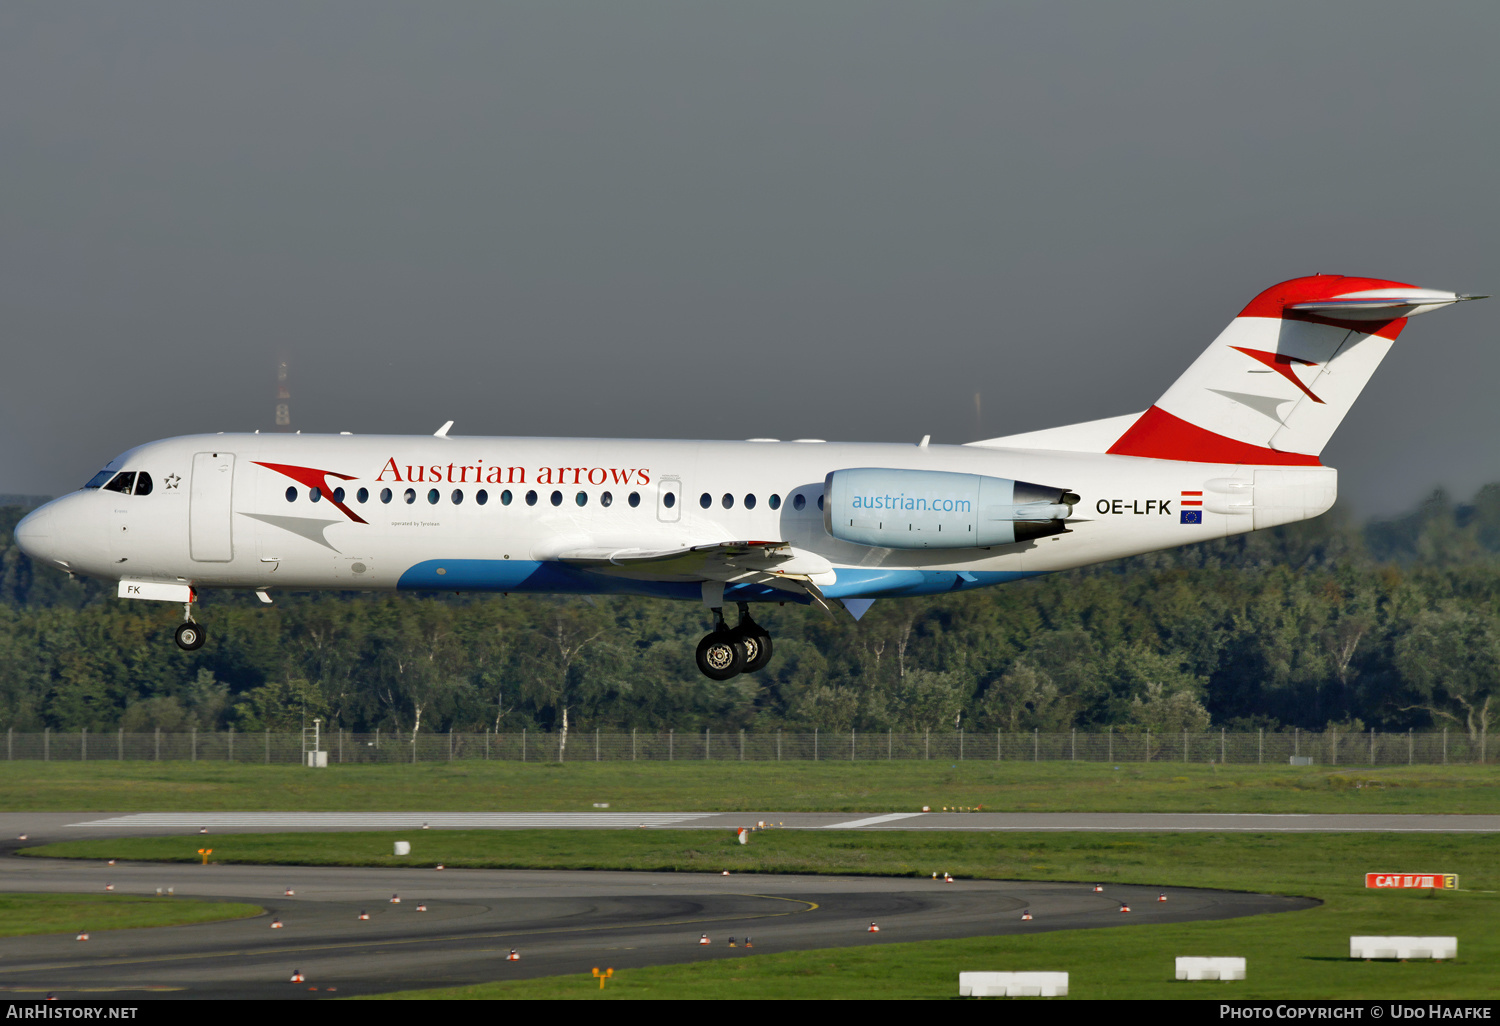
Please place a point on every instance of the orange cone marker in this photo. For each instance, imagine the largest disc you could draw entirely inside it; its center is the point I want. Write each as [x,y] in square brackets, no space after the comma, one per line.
[1098,888]
[422,907]
[1124,907]
[1026,915]
[276,924]
[109,887]
[513,956]
[703,940]
[725,873]
[111,862]
[731,942]
[440,865]
[297,976]
[395,899]
[873,929]
[364,915]
[84,935]
[748,944]
[1162,896]
[290,892]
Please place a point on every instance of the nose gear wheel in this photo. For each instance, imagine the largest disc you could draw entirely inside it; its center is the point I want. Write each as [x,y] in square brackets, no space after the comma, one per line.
[189,636]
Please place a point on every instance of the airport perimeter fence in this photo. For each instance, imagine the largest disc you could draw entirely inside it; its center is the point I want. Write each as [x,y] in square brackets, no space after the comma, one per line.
[1329,748]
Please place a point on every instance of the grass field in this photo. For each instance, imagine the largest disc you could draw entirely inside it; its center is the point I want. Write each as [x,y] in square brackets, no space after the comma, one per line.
[25,914]
[728,787]
[1300,954]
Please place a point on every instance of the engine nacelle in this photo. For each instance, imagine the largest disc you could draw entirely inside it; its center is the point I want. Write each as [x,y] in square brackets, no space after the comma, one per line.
[935,509]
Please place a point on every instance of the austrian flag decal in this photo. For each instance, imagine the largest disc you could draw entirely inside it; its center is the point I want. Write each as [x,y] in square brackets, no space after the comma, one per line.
[1190,499]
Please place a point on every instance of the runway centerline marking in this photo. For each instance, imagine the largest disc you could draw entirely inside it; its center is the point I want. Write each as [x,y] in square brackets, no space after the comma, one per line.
[871,821]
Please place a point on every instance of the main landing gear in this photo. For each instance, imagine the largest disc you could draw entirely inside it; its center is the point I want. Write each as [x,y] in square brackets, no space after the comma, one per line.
[189,636]
[727,652]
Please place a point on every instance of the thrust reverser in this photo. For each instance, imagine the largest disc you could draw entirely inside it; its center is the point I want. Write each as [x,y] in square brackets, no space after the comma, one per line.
[933,509]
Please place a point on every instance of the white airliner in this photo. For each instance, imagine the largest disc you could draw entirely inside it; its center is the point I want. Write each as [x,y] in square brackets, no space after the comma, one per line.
[1231,447]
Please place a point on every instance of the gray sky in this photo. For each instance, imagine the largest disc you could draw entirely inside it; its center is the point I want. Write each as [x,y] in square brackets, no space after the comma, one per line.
[835,220]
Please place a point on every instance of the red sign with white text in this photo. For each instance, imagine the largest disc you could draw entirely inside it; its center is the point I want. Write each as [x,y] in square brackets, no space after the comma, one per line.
[1433,881]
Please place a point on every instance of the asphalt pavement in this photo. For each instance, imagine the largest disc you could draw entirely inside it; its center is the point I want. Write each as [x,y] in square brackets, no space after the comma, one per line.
[558,923]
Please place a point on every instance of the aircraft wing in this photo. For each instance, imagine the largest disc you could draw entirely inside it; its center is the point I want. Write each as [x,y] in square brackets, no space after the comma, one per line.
[775,564]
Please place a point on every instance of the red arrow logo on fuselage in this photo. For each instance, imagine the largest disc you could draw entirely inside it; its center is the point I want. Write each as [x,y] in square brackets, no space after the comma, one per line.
[318,479]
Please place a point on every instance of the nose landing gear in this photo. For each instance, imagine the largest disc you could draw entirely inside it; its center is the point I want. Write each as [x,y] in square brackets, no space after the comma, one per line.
[189,636]
[726,652]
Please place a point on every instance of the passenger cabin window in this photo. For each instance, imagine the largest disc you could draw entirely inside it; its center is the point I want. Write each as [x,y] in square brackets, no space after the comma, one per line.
[315,494]
[774,502]
[606,499]
[669,500]
[798,502]
[481,496]
[122,483]
[338,495]
[557,498]
[363,495]
[531,498]
[582,498]
[385,495]
[749,502]
[505,497]
[457,496]
[97,481]
[705,500]
[291,495]
[432,496]
[410,496]
[143,483]
[635,499]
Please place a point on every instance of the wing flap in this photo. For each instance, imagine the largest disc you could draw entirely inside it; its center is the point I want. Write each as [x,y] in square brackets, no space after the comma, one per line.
[775,564]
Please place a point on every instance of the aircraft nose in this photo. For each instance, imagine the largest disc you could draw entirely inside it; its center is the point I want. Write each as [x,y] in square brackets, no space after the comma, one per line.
[34,533]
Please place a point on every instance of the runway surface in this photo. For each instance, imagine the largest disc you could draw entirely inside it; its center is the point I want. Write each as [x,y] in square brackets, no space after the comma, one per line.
[559,922]
[41,827]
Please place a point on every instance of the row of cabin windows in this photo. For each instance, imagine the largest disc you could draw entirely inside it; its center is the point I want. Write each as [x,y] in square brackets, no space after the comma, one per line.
[482,496]
[799,501]
[434,496]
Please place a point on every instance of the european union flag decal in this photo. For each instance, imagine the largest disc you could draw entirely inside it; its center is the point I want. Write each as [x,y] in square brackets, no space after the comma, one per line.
[1192,516]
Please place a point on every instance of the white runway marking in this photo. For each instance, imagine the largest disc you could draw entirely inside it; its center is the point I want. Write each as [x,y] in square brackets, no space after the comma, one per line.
[389,820]
[871,821]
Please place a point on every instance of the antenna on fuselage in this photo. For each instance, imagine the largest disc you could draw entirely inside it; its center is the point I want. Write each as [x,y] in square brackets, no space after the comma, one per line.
[442,432]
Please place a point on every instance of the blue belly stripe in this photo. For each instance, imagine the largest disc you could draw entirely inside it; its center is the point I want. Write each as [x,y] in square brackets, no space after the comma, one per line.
[531,576]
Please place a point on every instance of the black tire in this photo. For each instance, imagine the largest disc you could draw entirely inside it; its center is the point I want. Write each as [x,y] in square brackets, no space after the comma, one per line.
[757,645]
[189,636]
[721,656]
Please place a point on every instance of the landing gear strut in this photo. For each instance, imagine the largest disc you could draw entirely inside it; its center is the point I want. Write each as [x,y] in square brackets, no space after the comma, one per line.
[726,652]
[189,636]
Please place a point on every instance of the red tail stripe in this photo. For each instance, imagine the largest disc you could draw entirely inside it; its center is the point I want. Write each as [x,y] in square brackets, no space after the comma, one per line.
[1158,435]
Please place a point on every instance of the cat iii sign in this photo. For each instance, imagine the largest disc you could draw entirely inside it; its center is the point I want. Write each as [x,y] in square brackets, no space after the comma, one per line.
[1434,881]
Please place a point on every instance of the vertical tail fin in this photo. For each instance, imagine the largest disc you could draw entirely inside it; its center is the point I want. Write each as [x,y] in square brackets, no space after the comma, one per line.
[1277,382]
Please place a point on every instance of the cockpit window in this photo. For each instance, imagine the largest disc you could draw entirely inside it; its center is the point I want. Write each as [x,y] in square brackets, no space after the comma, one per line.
[122,483]
[98,479]
[143,483]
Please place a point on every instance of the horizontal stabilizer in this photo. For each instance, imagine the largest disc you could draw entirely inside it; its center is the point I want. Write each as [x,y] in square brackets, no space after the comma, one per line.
[1380,304]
